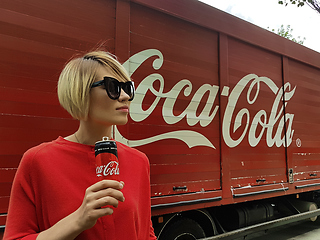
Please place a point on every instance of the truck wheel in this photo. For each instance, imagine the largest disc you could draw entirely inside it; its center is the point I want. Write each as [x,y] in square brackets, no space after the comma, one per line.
[183,229]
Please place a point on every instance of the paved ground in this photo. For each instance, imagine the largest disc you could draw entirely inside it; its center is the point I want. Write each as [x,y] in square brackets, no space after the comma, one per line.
[306,230]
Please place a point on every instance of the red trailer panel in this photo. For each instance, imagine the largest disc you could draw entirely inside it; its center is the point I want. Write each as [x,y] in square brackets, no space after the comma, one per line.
[226,111]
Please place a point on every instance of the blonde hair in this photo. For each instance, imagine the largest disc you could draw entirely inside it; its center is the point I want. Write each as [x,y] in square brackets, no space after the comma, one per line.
[77,77]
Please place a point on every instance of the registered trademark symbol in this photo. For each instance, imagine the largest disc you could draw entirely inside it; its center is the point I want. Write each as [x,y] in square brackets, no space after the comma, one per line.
[298,142]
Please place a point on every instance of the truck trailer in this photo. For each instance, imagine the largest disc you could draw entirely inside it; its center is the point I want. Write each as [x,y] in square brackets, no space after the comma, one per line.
[227,112]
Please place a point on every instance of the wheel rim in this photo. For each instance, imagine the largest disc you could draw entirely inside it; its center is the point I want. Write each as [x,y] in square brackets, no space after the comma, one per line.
[185,236]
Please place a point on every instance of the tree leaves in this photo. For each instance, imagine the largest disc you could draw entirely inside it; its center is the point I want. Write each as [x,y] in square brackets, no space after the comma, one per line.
[299,3]
[287,33]
[314,4]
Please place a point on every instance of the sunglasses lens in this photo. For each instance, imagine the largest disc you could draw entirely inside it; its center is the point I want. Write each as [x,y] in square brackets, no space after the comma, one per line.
[113,89]
[128,89]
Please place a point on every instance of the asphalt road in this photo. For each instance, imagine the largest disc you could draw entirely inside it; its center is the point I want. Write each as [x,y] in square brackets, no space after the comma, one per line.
[305,230]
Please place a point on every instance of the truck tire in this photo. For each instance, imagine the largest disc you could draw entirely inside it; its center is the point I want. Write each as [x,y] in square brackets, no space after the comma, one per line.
[183,229]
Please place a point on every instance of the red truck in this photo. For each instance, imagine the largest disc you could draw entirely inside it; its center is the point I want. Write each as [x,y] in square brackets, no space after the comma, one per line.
[227,112]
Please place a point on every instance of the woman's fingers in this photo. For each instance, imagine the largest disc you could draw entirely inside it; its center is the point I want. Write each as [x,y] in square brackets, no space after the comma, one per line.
[99,200]
[103,184]
[108,191]
[108,195]
[106,202]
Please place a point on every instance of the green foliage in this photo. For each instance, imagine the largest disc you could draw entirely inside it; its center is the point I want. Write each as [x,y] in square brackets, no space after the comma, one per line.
[299,3]
[314,4]
[287,33]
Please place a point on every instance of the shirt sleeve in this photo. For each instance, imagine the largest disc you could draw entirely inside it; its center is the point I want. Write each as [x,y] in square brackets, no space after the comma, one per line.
[152,235]
[22,220]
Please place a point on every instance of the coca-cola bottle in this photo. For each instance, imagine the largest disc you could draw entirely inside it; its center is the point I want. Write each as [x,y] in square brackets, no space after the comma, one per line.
[107,164]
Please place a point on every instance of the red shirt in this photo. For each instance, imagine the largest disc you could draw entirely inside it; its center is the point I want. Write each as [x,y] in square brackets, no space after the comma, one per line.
[50,184]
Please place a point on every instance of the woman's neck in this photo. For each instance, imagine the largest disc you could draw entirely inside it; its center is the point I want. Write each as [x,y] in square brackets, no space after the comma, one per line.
[89,135]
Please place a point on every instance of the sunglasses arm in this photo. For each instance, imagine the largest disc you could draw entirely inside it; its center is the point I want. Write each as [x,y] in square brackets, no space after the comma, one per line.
[96,84]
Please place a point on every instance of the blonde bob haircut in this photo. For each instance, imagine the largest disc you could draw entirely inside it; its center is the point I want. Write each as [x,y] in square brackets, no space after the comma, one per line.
[77,77]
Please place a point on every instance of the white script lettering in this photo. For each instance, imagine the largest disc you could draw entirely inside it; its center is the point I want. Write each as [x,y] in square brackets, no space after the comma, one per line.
[266,124]
[112,168]
[261,117]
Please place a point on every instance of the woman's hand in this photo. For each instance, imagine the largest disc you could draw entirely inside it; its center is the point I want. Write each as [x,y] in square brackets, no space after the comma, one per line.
[98,201]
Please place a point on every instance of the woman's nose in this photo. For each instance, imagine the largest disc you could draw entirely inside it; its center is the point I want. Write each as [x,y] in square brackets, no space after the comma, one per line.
[123,96]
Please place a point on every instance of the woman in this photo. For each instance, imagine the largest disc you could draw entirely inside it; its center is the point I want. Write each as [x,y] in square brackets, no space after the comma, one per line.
[56,194]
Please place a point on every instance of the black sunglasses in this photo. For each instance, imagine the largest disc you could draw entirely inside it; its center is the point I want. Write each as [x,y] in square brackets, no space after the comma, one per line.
[113,87]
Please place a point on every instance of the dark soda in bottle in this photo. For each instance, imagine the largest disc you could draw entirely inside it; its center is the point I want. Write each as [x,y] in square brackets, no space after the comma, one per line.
[107,164]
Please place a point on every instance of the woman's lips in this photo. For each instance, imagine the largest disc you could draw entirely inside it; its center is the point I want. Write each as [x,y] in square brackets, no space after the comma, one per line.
[123,109]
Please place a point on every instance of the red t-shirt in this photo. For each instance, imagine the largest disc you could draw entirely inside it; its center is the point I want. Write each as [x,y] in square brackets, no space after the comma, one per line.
[50,184]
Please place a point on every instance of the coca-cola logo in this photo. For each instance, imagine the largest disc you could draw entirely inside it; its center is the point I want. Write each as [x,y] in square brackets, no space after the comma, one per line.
[112,168]
[255,126]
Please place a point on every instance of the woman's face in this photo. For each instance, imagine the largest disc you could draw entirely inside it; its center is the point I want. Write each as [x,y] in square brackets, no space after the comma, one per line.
[102,109]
